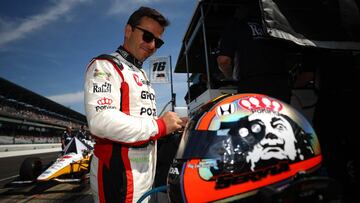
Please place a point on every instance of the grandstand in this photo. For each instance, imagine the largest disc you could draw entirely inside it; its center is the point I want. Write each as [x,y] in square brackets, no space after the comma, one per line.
[27,117]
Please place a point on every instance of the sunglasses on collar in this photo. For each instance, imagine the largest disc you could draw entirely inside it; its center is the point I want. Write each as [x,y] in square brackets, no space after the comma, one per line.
[149,37]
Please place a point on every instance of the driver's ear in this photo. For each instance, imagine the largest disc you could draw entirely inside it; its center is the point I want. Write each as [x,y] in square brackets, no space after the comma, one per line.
[128,31]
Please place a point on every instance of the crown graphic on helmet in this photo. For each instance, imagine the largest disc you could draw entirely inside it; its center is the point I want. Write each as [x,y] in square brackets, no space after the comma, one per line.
[104,101]
[256,103]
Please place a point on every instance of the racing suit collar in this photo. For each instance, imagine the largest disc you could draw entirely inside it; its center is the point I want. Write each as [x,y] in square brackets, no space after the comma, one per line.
[129,57]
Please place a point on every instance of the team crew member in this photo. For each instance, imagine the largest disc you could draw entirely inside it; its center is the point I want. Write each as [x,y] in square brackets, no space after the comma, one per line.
[121,113]
[250,56]
[66,138]
[82,134]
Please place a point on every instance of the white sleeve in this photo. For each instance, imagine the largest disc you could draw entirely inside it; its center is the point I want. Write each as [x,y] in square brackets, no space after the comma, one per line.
[102,91]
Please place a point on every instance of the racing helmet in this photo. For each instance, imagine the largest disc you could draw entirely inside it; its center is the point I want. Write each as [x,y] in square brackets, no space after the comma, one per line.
[237,145]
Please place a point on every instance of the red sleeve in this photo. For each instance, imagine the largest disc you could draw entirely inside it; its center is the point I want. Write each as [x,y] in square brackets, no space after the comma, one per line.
[162,129]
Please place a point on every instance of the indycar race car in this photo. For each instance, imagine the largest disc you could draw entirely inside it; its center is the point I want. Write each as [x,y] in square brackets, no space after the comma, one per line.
[71,166]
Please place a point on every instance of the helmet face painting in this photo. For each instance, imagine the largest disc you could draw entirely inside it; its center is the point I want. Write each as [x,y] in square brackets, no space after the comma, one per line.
[235,145]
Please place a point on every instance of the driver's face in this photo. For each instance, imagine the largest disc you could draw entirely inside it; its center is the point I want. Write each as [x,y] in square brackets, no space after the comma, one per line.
[279,140]
[134,41]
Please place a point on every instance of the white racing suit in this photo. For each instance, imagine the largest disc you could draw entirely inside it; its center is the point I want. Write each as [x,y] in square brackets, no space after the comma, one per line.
[121,114]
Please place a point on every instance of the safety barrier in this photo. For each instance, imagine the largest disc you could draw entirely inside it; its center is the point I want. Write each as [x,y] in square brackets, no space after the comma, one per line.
[28,149]
[22,147]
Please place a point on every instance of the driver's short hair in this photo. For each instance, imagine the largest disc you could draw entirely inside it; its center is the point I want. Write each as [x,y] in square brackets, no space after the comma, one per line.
[136,17]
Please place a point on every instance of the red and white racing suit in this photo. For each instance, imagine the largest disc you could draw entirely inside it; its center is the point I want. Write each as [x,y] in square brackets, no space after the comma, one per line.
[121,114]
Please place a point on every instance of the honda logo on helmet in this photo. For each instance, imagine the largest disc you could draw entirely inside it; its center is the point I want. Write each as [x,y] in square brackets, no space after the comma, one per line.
[226,109]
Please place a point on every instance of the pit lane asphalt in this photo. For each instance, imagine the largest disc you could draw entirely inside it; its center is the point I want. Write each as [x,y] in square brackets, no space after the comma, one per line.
[47,192]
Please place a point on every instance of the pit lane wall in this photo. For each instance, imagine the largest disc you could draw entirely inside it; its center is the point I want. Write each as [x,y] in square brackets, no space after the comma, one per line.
[22,147]
[28,149]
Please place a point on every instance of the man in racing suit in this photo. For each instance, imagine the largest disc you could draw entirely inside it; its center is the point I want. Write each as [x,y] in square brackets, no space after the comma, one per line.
[121,113]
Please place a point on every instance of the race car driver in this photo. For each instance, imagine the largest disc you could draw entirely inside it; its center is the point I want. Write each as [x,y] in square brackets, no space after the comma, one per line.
[121,113]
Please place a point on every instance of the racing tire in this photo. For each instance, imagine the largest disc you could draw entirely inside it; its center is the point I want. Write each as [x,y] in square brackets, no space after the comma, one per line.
[30,168]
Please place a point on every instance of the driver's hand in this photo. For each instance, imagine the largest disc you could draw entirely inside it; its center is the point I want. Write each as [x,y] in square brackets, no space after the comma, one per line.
[172,122]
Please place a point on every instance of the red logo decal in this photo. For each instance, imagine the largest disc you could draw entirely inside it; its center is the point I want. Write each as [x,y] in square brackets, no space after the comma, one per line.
[104,101]
[137,80]
[256,103]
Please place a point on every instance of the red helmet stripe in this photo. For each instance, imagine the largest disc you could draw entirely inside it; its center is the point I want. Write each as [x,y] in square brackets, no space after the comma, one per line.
[193,181]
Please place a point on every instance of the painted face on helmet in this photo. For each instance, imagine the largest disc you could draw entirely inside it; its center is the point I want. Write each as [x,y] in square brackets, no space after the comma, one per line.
[274,138]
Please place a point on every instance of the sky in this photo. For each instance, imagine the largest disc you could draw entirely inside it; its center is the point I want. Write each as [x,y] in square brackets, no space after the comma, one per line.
[45,46]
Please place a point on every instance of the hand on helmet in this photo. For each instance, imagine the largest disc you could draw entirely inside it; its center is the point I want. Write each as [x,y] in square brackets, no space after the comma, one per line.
[172,122]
